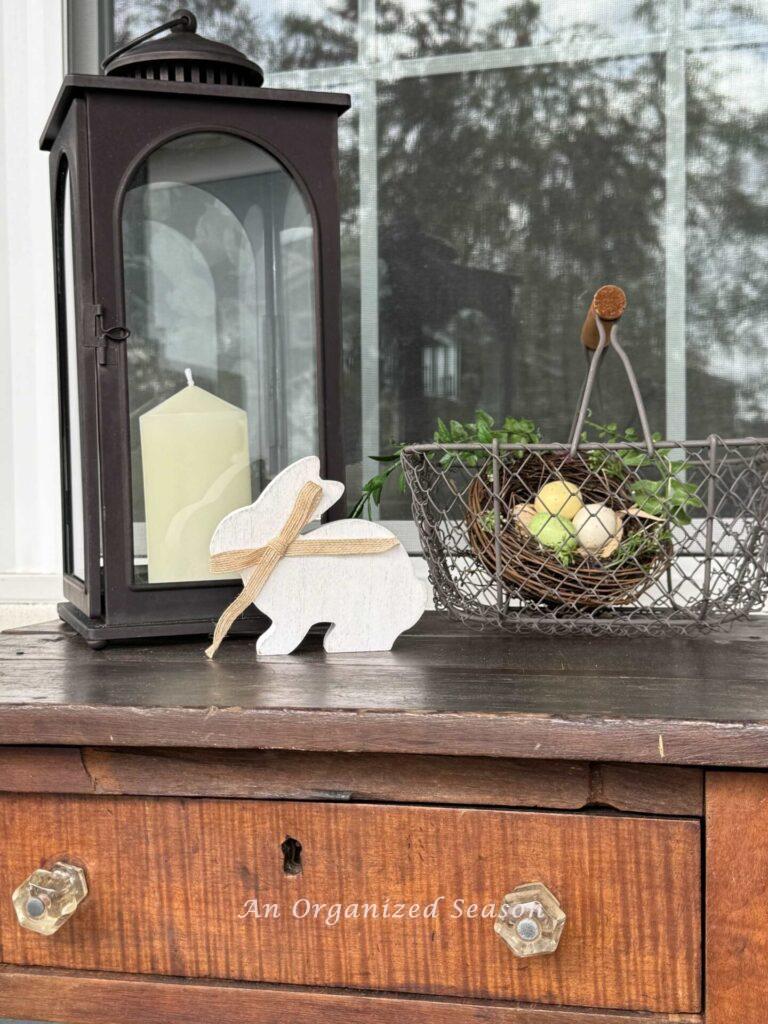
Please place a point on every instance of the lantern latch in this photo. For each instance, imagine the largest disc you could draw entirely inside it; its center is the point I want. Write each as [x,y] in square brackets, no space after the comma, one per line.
[102,335]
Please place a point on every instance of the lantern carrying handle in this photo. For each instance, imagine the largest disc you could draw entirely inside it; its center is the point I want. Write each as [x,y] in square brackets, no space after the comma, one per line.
[181,21]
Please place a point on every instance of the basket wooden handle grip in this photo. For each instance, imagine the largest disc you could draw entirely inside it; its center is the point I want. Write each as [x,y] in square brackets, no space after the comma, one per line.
[609,304]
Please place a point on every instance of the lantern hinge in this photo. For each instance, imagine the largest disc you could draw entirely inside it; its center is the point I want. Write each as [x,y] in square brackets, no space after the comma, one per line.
[102,335]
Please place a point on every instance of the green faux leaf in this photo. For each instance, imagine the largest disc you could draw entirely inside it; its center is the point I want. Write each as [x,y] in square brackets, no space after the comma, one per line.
[634,458]
[394,457]
[442,433]
[372,491]
[484,433]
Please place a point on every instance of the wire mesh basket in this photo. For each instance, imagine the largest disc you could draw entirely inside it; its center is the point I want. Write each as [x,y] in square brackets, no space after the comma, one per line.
[621,537]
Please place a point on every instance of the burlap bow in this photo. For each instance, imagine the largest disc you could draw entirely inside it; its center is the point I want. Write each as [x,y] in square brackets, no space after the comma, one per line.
[286,544]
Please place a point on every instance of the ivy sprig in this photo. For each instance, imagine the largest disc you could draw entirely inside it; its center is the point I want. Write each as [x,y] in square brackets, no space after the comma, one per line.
[373,488]
[664,495]
[481,430]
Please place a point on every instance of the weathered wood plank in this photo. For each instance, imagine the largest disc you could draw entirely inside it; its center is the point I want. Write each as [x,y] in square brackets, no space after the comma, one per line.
[300,775]
[445,644]
[647,789]
[736,907]
[294,775]
[171,880]
[43,770]
[684,702]
[72,997]
[512,735]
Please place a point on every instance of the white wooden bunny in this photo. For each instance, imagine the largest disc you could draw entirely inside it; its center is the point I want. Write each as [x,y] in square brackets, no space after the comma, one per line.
[358,577]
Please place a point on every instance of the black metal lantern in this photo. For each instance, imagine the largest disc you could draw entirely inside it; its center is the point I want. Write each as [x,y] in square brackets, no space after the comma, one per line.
[196,250]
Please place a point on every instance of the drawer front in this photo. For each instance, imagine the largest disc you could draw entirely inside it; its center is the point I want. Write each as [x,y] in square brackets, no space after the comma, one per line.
[387,898]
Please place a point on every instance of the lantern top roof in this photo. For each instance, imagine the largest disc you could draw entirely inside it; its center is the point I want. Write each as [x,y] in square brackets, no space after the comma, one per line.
[180,62]
[74,86]
[183,56]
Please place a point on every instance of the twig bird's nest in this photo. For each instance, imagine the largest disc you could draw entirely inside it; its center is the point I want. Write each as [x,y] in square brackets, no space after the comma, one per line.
[535,572]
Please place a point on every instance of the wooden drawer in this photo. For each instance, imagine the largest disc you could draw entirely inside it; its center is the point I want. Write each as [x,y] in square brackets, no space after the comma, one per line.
[172,884]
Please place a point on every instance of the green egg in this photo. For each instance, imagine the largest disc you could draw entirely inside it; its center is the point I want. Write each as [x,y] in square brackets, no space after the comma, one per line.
[554,532]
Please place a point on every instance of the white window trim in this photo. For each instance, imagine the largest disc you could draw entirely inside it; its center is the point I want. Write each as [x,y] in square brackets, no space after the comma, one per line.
[31,66]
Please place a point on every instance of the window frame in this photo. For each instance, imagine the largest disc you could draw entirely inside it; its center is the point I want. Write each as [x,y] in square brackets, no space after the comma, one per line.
[90,30]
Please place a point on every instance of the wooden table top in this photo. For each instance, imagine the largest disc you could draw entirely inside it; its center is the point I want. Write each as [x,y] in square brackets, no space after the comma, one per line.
[440,691]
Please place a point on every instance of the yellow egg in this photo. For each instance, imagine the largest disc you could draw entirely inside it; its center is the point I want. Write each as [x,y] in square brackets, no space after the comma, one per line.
[559,498]
[595,526]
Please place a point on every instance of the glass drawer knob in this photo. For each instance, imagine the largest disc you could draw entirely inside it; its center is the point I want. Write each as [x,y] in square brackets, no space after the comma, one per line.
[47,899]
[530,920]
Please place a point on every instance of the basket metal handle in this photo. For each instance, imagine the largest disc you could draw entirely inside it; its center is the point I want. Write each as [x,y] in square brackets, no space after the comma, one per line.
[594,366]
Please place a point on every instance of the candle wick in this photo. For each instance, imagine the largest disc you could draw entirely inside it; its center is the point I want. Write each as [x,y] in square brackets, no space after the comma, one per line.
[190,378]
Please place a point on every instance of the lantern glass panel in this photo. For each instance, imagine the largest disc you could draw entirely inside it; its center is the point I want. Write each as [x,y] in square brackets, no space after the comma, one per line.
[72,478]
[219,271]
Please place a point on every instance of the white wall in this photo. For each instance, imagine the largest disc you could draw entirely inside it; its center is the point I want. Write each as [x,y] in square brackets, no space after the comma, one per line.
[31,66]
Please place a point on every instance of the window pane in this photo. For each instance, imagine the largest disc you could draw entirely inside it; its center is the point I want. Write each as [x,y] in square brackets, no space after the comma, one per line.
[418,28]
[504,199]
[72,466]
[726,14]
[490,204]
[279,35]
[222,360]
[727,242]
[351,383]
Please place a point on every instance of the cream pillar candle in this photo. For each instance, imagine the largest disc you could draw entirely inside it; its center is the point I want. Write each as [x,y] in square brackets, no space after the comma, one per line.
[196,467]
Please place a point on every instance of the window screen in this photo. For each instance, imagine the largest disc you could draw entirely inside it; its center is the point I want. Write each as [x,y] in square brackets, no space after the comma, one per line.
[502,160]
